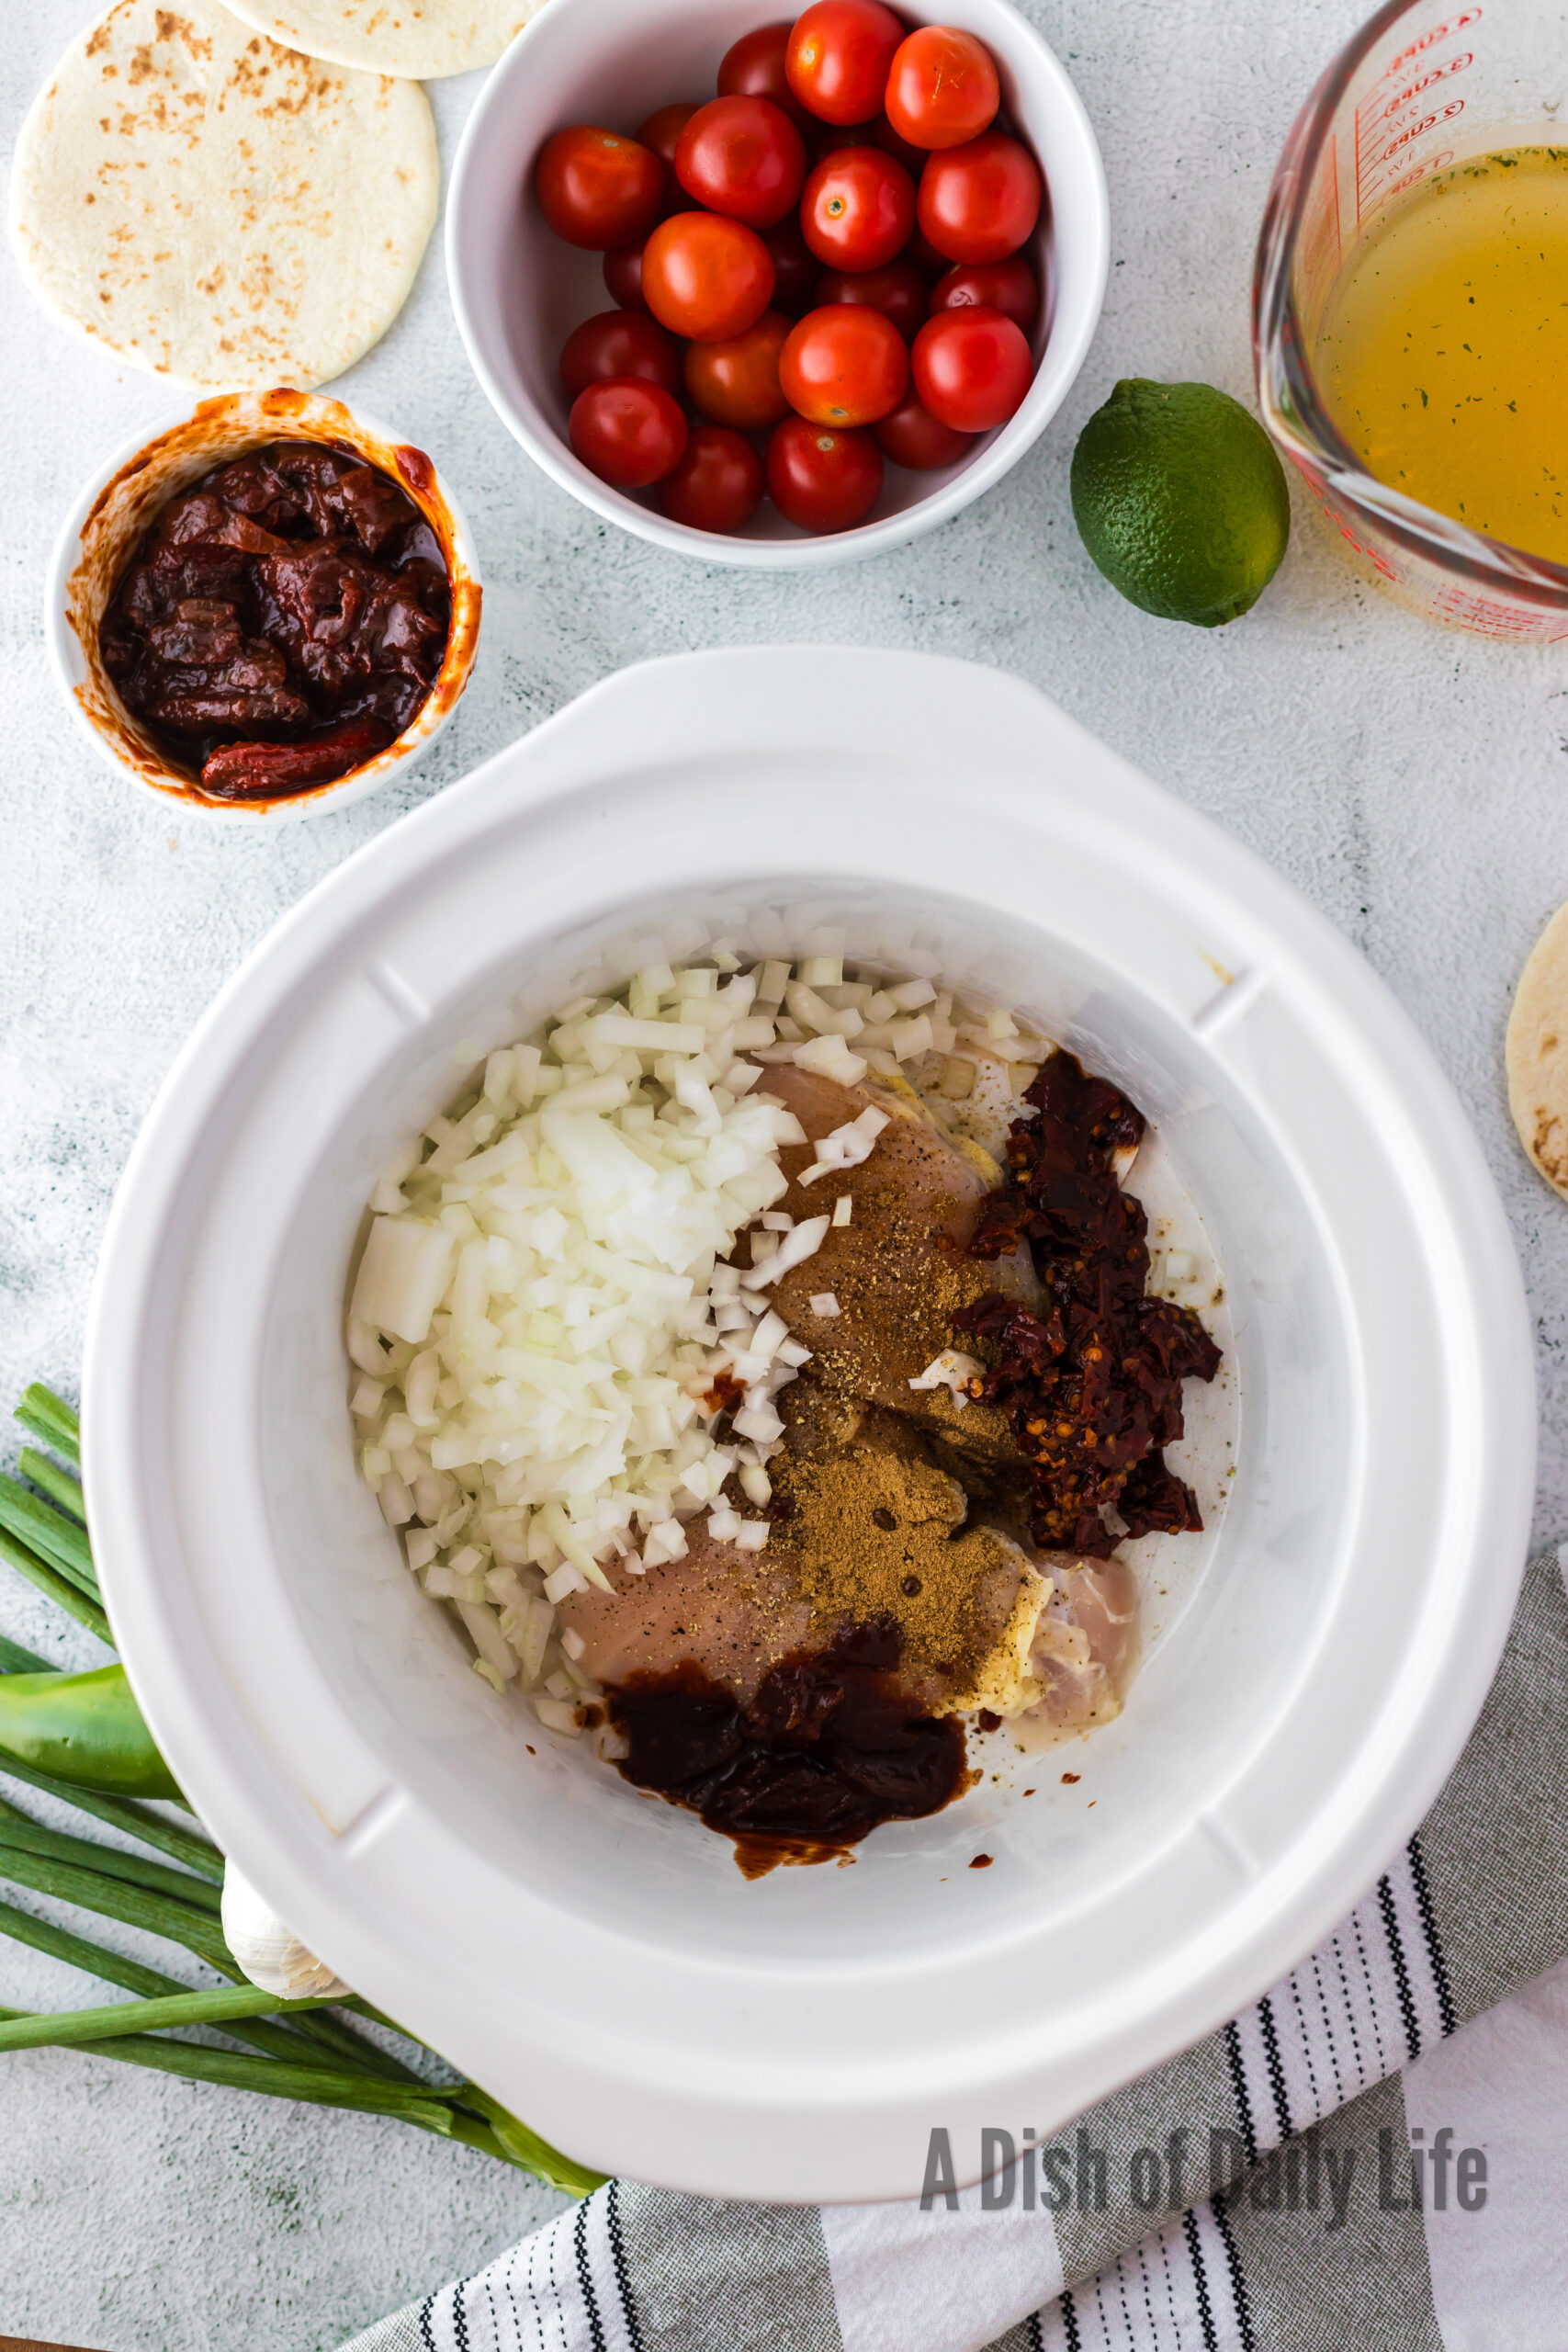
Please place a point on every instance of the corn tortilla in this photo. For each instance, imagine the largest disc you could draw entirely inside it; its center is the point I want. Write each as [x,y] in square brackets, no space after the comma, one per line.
[223,212]
[1537,1054]
[422,37]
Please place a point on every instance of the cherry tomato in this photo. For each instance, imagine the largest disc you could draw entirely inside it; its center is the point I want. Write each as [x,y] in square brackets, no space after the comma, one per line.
[795,267]
[598,188]
[942,87]
[883,135]
[718,483]
[754,68]
[897,290]
[972,368]
[844,365]
[979,201]
[839,54]
[661,131]
[736,382]
[627,432]
[912,437]
[1009,285]
[822,477]
[742,157]
[705,276]
[858,209]
[619,343]
[622,276]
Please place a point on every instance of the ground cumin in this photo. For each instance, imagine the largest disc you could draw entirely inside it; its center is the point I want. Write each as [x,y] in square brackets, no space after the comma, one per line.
[874,1484]
[898,1299]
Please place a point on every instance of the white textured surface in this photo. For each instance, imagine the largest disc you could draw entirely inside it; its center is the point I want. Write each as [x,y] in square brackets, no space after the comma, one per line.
[1414,783]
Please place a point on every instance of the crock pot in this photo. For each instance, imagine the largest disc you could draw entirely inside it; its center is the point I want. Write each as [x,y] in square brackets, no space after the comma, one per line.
[592,1956]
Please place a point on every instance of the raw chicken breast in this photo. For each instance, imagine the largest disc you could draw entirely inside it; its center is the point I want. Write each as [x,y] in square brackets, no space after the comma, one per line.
[1084,1647]
[725,1611]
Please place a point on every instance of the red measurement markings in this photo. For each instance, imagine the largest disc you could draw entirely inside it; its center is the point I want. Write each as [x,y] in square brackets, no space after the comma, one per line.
[1319,490]
[1371,186]
[1466,17]
[1322,239]
[1391,118]
[1437,163]
[1414,90]
[1491,617]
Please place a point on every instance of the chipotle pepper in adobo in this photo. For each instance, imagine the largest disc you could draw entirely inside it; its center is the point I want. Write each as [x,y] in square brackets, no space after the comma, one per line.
[282,621]
[830,1746]
[1092,1383]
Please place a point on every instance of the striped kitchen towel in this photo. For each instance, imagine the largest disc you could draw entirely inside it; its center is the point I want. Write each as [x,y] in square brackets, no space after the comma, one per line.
[1372,2159]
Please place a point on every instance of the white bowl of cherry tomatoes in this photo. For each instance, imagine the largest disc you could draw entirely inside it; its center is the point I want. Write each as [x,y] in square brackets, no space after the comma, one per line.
[780,291]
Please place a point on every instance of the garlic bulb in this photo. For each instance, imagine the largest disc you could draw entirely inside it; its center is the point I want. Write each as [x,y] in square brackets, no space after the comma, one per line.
[268,1951]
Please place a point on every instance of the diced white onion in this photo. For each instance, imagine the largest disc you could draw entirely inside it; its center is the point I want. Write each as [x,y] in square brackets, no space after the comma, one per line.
[558,1715]
[793,1249]
[405,1269]
[909,995]
[952,1369]
[829,1057]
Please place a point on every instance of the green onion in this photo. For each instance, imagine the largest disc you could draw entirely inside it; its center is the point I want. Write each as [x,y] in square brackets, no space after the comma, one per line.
[430,2110]
[125,1812]
[17,1831]
[61,1943]
[112,1968]
[342,2042]
[134,1906]
[158,1915]
[308,2054]
[426,2105]
[56,1587]
[114,2027]
[14,1659]
[58,1484]
[44,1413]
[48,1532]
[198,1932]
[525,2148]
[374,2094]
[215,2007]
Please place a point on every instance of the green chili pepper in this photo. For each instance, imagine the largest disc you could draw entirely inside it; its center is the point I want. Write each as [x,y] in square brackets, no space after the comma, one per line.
[85,1729]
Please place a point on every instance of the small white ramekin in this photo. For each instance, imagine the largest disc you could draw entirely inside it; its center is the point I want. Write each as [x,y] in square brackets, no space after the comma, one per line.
[119,503]
[518,291]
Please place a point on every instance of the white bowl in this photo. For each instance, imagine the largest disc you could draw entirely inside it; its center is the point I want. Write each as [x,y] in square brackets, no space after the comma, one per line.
[104,527]
[518,291]
[593,1955]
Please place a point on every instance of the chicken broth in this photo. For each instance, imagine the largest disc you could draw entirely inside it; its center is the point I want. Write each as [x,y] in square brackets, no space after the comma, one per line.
[1442,350]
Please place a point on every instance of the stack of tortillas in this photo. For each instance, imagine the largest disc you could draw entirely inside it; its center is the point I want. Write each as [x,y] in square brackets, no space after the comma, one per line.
[1538,1054]
[229,213]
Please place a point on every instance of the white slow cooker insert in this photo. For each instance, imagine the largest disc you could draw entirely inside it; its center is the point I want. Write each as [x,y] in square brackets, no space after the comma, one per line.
[589,1953]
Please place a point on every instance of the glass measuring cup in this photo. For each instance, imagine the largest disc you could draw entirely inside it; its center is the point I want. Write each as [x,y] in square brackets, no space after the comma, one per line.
[1419,89]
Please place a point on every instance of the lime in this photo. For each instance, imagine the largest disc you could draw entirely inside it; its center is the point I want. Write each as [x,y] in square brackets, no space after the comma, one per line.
[1180,499]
